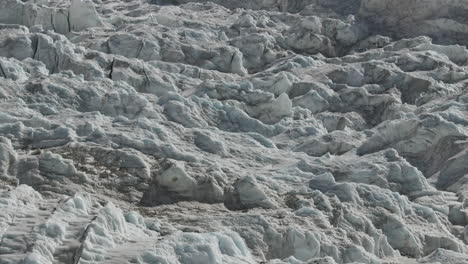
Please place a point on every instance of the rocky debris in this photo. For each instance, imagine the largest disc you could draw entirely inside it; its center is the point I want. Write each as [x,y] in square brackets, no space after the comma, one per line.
[196,131]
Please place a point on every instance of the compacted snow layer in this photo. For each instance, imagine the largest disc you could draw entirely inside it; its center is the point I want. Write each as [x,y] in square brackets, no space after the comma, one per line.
[228,131]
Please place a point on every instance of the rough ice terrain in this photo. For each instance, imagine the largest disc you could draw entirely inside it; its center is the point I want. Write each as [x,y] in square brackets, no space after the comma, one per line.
[234,131]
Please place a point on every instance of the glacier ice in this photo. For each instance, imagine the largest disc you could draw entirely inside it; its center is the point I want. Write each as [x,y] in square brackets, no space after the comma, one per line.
[227,131]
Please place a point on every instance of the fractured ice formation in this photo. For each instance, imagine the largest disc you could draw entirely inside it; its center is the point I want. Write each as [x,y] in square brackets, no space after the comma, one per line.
[233,131]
